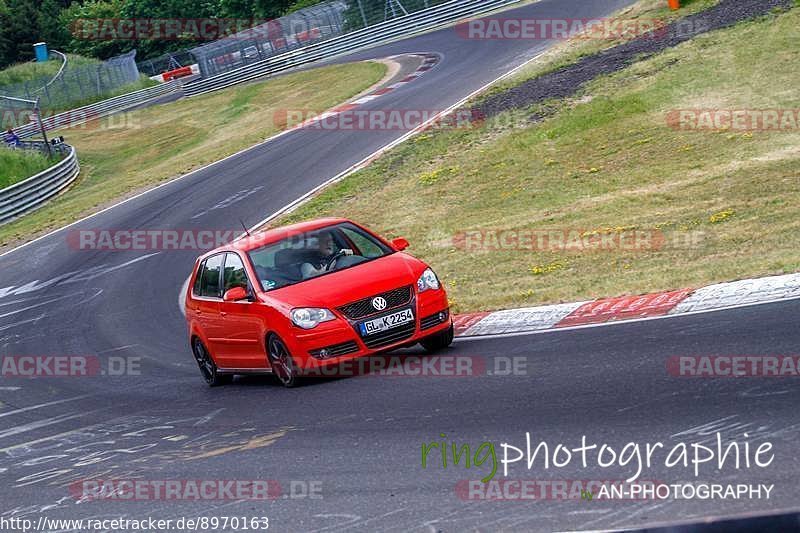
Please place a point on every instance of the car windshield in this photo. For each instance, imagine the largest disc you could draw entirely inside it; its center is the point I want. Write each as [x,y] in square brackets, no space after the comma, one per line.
[313,254]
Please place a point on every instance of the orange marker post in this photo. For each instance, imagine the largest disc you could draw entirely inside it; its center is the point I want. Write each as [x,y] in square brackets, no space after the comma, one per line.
[674,4]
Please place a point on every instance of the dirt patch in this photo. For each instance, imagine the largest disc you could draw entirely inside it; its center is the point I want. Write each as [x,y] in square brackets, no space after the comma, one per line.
[566,81]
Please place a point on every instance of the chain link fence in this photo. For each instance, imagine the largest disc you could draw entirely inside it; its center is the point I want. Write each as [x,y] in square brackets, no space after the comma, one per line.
[78,84]
[301,28]
[364,13]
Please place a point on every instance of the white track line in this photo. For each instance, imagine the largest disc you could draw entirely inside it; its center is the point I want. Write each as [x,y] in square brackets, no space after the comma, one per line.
[41,405]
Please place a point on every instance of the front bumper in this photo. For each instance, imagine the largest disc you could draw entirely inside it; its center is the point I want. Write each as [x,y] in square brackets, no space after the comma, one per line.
[339,340]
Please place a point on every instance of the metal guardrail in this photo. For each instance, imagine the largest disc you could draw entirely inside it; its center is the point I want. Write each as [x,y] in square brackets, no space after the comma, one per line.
[34,192]
[364,38]
[100,109]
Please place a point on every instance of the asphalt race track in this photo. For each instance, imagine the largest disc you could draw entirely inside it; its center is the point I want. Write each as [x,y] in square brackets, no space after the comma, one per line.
[356,442]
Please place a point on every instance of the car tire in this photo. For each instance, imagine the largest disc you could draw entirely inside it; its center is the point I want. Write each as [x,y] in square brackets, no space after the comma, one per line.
[438,341]
[208,368]
[282,362]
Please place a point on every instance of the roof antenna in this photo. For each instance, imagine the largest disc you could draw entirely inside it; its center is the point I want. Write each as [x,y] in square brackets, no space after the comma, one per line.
[247,231]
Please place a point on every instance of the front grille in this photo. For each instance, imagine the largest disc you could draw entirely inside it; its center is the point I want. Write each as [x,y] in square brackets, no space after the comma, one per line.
[433,320]
[364,308]
[335,350]
[390,336]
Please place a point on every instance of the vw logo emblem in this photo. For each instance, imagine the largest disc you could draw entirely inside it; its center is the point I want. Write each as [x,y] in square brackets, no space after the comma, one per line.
[379,303]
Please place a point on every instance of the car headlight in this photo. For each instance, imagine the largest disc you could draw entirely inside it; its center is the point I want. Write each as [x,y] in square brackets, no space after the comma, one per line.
[427,280]
[310,317]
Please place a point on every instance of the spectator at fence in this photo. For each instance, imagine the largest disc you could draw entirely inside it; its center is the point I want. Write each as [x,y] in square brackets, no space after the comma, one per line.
[11,138]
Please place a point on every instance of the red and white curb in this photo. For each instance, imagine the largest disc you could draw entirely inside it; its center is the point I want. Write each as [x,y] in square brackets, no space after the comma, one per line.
[624,308]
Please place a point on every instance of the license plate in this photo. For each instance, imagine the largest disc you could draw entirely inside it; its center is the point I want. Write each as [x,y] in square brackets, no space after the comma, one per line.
[387,322]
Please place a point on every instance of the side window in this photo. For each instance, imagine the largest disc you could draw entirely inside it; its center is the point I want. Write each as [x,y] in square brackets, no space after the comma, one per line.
[209,286]
[199,279]
[366,247]
[235,275]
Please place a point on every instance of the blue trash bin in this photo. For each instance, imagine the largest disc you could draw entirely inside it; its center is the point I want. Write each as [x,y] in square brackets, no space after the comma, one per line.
[41,52]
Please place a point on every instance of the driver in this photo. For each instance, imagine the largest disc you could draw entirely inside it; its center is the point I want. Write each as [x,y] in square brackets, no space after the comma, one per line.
[326,254]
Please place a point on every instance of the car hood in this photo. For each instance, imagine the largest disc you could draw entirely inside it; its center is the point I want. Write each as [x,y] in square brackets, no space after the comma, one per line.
[352,284]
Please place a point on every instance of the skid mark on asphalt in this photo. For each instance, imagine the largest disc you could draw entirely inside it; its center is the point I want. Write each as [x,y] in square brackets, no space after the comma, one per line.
[252,444]
[230,200]
[40,304]
[133,446]
[76,276]
[755,392]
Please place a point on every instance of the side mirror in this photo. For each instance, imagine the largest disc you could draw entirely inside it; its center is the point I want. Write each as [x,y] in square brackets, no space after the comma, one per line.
[400,244]
[235,294]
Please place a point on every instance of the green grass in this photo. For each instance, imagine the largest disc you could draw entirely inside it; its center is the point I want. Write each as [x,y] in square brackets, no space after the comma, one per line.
[17,165]
[605,161]
[133,151]
[22,72]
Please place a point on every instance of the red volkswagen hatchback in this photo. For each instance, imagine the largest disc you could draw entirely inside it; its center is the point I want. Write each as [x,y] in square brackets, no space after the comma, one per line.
[313,294]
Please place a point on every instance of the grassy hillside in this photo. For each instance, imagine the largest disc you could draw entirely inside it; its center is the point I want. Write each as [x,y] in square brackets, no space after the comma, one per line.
[605,162]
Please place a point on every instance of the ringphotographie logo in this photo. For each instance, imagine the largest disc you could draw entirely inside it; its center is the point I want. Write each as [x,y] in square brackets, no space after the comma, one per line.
[693,457]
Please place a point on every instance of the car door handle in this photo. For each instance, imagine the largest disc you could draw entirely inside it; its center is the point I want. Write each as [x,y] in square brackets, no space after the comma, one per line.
[223,313]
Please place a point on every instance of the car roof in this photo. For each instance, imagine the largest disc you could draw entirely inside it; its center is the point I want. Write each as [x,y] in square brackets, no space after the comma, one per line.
[262,238]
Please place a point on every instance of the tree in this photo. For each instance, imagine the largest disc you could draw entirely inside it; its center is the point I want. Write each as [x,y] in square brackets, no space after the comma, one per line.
[19,31]
[51,28]
[84,37]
